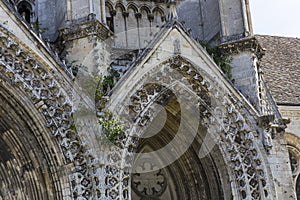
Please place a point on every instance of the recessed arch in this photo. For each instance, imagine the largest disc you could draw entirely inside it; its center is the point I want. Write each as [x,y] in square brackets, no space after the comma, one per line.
[132,6]
[28,152]
[180,179]
[35,93]
[293,147]
[110,13]
[221,113]
[25,9]
[109,5]
[159,9]
[145,8]
[120,6]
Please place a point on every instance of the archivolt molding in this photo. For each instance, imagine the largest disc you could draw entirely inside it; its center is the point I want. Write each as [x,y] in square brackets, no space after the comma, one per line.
[293,140]
[233,124]
[293,144]
[20,69]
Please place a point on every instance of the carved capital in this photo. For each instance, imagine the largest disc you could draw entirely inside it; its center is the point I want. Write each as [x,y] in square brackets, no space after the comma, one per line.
[138,15]
[151,17]
[113,12]
[125,14]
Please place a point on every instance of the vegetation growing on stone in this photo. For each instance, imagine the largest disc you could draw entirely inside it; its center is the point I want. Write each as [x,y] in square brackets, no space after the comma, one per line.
[99,85]
[112,128]
[37,26]
[222,60]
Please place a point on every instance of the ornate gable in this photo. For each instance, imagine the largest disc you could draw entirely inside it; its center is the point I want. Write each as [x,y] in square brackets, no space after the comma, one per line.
[177,76]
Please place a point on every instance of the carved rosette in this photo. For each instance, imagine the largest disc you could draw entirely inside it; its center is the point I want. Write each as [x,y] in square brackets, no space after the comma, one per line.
[149,185]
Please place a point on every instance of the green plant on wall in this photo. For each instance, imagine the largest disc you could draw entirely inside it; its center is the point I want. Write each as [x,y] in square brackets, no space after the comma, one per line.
[37,26]
[96,86]
[94,83]
[222,60]
[111,127]
[109,80]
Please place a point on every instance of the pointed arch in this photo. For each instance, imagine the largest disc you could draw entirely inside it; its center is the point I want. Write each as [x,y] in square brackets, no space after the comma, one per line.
[25,9]
[293,146]
[160,10]
[132,6]
[110,13]
[109,5]
[145,8]
[121,6]
[37,127]
[159,15]
[221,114]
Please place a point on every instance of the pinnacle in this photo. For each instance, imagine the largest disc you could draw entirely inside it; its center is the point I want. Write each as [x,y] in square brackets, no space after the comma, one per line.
[172,15]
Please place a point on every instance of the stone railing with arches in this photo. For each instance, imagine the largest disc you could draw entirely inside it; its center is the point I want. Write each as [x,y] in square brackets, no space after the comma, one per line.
[142,19]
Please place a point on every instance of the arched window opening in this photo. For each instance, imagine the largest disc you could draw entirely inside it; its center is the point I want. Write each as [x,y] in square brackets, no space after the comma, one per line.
[25,10]
[110,14]
[110,20]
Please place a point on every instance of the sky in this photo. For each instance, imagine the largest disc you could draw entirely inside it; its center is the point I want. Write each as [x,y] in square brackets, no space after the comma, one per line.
[276,17]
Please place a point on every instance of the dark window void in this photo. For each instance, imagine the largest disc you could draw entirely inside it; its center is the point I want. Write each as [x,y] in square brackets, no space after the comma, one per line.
[25,9]
[110,23]
[298,188]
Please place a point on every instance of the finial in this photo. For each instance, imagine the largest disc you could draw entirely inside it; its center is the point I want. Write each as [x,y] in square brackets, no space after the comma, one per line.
[172,15]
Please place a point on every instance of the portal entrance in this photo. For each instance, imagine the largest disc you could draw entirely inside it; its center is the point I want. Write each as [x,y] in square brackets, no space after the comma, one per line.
[189,177]
[24,162]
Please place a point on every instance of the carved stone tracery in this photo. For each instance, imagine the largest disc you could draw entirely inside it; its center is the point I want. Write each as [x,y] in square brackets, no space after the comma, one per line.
[237,137]
[151,184]
[22,70]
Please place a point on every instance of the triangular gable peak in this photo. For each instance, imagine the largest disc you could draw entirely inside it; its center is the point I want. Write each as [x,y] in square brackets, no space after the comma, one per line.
[174,42]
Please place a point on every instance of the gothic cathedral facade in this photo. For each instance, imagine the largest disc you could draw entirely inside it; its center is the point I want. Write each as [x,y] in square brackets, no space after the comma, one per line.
[145,99]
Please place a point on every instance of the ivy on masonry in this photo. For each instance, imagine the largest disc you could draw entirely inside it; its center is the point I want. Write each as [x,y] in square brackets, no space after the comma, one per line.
[222,60]
[109,80]
[89,81]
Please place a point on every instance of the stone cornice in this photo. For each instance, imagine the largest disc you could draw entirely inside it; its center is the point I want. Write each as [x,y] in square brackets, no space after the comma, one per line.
[88,28]
[247,44]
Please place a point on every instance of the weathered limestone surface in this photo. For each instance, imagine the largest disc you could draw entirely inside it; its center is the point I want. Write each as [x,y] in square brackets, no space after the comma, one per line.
[293,114]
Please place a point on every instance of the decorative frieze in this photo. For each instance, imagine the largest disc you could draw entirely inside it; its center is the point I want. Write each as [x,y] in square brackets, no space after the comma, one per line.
[247,44]
[88,28]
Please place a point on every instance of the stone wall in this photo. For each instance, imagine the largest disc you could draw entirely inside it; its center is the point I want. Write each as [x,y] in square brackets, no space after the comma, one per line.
[202,17]
[235,19]
[293,114]
[51,16]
